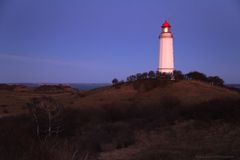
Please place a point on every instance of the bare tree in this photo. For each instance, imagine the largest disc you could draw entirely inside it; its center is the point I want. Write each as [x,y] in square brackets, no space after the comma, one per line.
[47,115]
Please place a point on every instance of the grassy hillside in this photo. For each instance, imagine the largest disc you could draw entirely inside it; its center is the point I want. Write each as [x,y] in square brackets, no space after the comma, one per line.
[182,120]
[186,92]
[13,100]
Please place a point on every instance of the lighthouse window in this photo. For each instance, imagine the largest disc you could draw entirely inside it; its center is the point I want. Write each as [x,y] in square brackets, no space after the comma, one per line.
[165,29]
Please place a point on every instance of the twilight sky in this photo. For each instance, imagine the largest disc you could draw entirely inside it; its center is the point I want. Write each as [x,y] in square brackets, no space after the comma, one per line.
[67,41]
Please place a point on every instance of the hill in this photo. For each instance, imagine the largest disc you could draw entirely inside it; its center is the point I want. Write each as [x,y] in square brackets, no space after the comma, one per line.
[133,121]
[13,99]
[186,92]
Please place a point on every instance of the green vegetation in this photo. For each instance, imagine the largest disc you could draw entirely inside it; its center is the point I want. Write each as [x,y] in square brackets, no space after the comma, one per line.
[175,76]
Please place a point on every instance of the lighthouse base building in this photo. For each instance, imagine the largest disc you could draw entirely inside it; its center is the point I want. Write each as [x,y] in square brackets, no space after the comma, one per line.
[166,60]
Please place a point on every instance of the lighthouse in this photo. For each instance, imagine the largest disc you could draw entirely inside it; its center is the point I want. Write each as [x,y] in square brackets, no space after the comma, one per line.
[166,60]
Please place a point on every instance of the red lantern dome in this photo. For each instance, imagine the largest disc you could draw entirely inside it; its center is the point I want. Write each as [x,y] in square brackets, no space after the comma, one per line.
[166,25]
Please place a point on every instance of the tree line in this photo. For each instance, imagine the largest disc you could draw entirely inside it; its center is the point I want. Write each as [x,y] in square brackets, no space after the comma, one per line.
[175,76]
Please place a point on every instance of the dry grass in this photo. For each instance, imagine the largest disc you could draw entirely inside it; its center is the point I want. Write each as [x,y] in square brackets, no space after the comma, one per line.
[183,120]
[188,92]
[167,132]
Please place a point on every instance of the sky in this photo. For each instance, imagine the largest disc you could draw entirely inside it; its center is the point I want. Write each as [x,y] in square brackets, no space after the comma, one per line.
[94,41]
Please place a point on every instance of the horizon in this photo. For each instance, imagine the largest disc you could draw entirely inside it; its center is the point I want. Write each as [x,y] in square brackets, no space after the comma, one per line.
[75,83]
[94,42]
[55,83]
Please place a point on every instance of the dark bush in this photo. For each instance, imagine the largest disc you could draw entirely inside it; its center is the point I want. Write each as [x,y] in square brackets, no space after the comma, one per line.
[196,76]
[151,75]
[215,80]
[115,81]
[131,78]
[139,76]
[117,84]
[178,75]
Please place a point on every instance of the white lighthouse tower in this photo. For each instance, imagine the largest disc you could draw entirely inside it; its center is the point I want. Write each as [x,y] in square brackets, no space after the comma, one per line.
[166,61]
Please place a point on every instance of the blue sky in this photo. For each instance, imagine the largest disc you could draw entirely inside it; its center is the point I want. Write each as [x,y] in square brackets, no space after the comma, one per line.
[67,41]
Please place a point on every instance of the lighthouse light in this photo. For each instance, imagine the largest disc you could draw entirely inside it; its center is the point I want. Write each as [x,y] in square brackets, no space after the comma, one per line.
[165,29]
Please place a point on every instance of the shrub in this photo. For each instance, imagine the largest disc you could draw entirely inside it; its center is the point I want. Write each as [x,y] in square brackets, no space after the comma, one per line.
[131,78]
[178,75]
[117,84]
[115,81]
[215,80]
[196,76]
[151,75]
